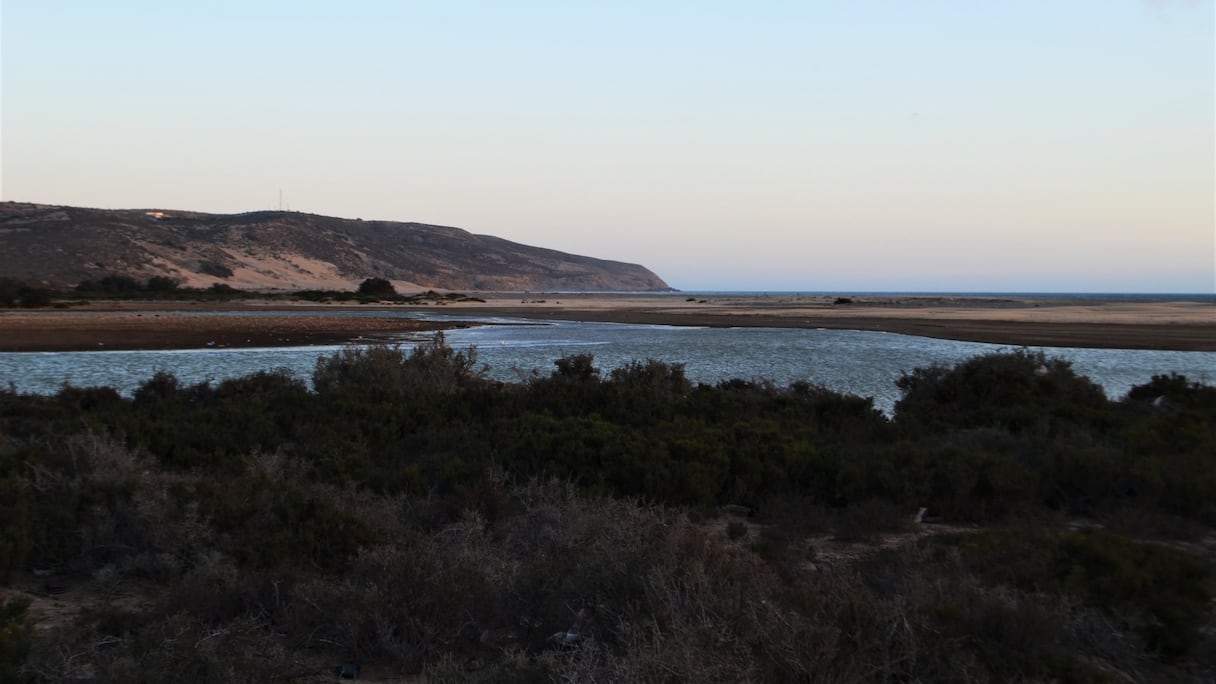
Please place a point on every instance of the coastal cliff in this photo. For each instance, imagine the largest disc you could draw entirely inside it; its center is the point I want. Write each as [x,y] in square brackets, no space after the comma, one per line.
[60,246]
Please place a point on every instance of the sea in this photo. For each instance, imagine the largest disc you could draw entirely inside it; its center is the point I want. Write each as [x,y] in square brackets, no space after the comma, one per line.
[1057,296]
[862,363]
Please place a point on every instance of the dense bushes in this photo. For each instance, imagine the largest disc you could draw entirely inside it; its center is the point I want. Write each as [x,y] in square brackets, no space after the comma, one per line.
[408,513]
[1015,392]
[16,293]
[377,287]
[14,639]
[1160,592]
[1002,435]
[122,285]
[380,373]
[14,519]
[559,586]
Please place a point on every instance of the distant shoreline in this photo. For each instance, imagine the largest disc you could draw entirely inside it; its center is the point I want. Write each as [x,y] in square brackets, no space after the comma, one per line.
[1042,296]
[1067,321]
[1185,325]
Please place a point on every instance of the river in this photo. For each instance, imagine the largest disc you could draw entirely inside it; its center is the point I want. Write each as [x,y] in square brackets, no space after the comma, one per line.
[856,362]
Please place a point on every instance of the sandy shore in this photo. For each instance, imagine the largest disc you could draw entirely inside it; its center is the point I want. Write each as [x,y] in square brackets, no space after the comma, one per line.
[1180,325]
[160,328]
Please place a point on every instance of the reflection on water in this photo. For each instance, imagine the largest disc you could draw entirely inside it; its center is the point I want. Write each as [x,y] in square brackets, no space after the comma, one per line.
[863,363]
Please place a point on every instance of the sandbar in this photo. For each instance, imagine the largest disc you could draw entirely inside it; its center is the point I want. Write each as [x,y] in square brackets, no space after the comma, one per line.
[162,328]
[1021,321]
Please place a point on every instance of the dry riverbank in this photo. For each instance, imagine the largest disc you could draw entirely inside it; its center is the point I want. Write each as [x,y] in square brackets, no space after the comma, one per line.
[162,328]
[1182,325]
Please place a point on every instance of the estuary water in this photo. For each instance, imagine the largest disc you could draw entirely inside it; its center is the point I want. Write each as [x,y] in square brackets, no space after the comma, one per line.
[856,362]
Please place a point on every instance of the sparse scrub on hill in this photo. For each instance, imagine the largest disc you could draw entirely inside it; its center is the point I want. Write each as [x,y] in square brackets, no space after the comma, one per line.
[10,292]
[408,514]
[160,284]
[14,293]
[111,284]
[215,269]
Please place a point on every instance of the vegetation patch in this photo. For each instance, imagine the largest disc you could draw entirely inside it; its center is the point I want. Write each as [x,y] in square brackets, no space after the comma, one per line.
[406,513]
[1161,592]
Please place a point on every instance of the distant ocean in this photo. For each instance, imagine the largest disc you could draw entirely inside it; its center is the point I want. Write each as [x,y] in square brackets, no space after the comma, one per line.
[1086,296]
[1093,296]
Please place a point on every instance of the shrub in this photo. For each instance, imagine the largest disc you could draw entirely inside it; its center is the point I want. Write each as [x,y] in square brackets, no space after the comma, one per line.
[88,398]
[282,527]
[369,521]
[111,284]
[16,293]
[214,268]
[736,530]
[263,386]
[15,533]
[577,366]
[1014,391]
[1164,592]
[35,298]
[9,289]
[655,378]
[14,639]
[377,287]
[161,284]
[379,372]
[162,386]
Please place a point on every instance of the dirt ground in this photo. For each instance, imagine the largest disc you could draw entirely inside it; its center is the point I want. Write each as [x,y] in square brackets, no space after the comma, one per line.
[1182,325]
[190,329]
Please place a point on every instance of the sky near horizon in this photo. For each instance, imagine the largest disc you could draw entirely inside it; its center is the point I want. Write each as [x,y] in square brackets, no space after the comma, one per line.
[938,145]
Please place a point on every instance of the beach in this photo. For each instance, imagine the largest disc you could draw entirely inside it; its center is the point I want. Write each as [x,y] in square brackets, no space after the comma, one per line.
[1028,321]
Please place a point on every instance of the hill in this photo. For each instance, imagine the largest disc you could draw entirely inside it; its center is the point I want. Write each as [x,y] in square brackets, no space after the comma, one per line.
[60,246]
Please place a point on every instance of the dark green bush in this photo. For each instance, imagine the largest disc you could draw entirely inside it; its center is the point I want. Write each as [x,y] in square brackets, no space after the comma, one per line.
[110,284]
[736,530]
[14,640]
[15,536]
[16,293]
[380,372]
[160,284]
[9,289]
[1163,592]
[577,367]
[377,287]
[214,268]
[657,379]
[391,516]
[1018,392]
[163,386]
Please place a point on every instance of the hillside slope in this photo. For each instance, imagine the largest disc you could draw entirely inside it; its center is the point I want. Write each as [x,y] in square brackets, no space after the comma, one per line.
[61,246]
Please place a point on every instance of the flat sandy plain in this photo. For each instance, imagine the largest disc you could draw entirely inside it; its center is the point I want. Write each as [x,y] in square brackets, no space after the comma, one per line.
[1061,322]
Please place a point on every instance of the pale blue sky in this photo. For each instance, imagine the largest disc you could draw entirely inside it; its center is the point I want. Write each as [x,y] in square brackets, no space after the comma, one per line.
[1054,145]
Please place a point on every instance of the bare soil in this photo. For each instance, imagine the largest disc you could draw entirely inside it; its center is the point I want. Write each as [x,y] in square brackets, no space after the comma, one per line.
[1183,325]
[84,331]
